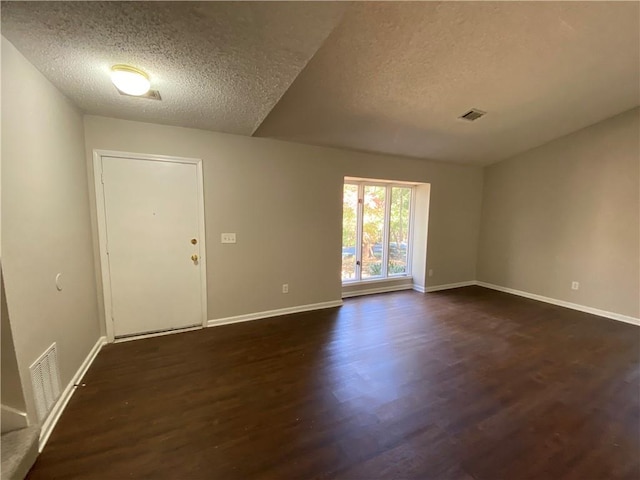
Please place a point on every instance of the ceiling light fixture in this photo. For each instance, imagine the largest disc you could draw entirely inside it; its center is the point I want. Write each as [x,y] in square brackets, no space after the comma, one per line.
[130,80]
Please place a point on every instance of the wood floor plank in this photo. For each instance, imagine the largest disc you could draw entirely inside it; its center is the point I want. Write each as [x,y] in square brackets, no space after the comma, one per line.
[467,384]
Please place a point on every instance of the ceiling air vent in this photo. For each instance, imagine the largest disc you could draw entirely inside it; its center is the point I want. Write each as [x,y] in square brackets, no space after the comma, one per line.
[472,115]
[151,94]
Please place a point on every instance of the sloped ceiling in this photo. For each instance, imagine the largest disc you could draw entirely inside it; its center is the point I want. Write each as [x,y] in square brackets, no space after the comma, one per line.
[394,77]
[386,77]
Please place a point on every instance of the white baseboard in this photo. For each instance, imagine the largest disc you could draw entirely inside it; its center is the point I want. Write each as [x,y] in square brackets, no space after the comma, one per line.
[52,419]
[562,303]
[448,286]
[371,291]
[273,313]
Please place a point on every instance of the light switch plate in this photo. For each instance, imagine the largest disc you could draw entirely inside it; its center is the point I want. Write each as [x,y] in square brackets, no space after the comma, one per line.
[228,238]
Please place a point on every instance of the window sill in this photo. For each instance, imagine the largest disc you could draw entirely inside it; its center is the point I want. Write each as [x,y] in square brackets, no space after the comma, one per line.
[394,279]
[378,285]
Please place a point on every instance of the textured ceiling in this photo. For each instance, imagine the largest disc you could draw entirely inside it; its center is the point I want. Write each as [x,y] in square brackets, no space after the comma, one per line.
[218,65]
[378,76]
[394,77]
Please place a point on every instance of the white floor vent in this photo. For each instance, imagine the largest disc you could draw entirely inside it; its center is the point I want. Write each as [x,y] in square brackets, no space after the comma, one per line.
[45,378]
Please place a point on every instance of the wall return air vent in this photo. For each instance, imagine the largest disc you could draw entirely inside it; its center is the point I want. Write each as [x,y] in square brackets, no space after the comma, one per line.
[45,378]
[472,115]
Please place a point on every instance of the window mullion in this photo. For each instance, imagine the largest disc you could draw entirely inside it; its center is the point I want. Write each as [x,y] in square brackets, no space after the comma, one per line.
[359,227]
[412,203]
[385,241]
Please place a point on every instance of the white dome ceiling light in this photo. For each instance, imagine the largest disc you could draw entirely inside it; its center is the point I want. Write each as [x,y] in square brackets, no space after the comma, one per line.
[130,80]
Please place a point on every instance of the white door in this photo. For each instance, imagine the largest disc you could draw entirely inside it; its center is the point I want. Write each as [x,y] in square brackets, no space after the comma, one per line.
[153,244]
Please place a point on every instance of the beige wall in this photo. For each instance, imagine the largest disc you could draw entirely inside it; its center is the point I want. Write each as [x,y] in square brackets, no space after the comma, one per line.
[284,201]
[46,222]
[568,211]
[11,386]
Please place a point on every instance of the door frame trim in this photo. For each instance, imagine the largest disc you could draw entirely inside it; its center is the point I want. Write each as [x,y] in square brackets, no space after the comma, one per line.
[102,227]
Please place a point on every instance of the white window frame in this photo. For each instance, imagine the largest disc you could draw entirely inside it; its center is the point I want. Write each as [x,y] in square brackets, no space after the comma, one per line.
[385,276]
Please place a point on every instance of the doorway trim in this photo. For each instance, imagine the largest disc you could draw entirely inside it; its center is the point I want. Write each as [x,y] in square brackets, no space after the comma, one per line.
[102,228]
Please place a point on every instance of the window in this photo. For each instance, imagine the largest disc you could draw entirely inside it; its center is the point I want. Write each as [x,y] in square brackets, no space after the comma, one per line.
[376,227]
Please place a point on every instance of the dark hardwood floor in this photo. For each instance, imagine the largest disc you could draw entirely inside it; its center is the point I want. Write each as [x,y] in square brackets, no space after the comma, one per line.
[463,384]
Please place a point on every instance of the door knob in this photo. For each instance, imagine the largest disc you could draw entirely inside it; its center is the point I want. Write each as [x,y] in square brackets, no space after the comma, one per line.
[194,258]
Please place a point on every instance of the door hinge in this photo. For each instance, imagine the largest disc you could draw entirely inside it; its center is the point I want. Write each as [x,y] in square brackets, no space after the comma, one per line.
[102,178]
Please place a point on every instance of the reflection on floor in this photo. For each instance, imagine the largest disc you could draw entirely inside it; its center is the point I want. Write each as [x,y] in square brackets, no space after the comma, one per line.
[463,384]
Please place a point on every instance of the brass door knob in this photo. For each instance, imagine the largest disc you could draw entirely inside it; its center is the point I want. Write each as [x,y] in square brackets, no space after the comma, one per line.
[194,258]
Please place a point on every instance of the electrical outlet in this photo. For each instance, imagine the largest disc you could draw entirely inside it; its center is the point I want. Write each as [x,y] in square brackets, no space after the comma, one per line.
[575,285]
[228,238]
[431,272]
[285,288]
